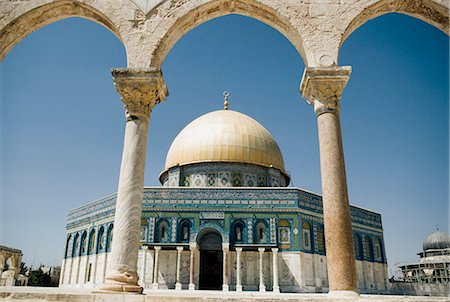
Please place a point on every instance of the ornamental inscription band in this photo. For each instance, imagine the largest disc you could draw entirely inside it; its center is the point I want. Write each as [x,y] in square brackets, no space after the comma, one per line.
[212,215]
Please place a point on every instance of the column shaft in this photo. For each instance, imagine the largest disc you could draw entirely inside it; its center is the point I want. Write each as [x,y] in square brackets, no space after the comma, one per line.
[225,267]
[178,284]
[144,265]
[156,268]
[276,287]
[192,268]
[262,287]
[336,209]
[238,269]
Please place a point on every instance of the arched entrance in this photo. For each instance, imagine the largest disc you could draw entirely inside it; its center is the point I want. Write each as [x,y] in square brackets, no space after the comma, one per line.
[211,260]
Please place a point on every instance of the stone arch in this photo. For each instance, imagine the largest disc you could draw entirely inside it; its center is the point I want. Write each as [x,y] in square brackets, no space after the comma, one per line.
[33,19]
[67,250]
[429,11]
[176,23]
[208,227]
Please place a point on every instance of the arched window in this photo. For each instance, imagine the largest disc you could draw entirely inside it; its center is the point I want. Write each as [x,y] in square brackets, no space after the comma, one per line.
[320,239]
[306,236]
[91,242]
[284,232]
[144,229]
[238,231]
[377,250]
[101,238]
[261,232]
[83,243]
[358,247]
[162,231]
[184,231]
[76,245]
[109,237]
[368,249]
[66,253]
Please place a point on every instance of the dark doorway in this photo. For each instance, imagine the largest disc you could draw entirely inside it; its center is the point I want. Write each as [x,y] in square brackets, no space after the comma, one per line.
[211,270]
[211,261]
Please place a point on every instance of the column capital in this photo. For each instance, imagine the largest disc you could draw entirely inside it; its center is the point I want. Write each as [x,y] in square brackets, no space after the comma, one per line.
[140,89]
[261,249]
[180,249]
[145,247]
[225,247]
[274,250]
[157,248]
[322,87]
[238,249]
[193,246]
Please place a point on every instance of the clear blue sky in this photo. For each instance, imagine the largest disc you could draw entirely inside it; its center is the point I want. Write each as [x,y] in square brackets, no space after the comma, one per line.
[62,122]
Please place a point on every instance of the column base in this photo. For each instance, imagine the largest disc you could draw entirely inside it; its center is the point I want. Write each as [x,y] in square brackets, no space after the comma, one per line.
[178,286]
[118,282]
[225,287]
[118,288]
[276,289]
[262,288]
[343,294]
[155,286]
[191,286]
[238,288]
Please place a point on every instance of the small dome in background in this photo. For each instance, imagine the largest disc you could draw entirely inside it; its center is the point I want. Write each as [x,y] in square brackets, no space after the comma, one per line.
[437,240]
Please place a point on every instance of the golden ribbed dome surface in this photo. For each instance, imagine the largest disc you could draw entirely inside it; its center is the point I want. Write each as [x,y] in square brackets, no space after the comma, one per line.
[225,136]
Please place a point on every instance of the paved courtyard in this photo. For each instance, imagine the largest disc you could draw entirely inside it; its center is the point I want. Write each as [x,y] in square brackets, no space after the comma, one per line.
[27,294]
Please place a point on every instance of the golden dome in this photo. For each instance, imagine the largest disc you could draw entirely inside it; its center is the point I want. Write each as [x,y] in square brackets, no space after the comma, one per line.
[225,136]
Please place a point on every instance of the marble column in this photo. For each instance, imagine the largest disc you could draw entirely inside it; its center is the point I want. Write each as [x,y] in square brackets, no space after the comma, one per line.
[63,271]
[156,268]
[225,250]
[238,269]
[144,264]
[262,287]
[193,248]
[140,90]
[322,88]
[276,287]
[178,284]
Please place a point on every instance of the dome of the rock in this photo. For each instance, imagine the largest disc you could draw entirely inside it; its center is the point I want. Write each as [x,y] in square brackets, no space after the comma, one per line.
[225,136]
[227,140]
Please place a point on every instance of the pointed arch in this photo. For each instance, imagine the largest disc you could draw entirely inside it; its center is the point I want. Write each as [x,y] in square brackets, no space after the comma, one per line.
[40,16]
[177,23]
[428,11]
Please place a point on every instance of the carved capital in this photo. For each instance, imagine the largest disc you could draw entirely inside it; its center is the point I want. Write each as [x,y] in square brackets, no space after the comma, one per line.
[322,87]
[140,90]
[225,247]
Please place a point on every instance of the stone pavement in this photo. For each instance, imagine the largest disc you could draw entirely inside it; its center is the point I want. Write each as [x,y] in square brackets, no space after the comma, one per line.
[28,294]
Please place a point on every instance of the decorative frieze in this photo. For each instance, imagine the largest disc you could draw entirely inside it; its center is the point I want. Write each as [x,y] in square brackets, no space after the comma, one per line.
[273,232]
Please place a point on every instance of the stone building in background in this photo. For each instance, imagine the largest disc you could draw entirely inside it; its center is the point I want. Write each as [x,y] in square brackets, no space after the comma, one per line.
[10,259]
[431,274]
[224,219]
